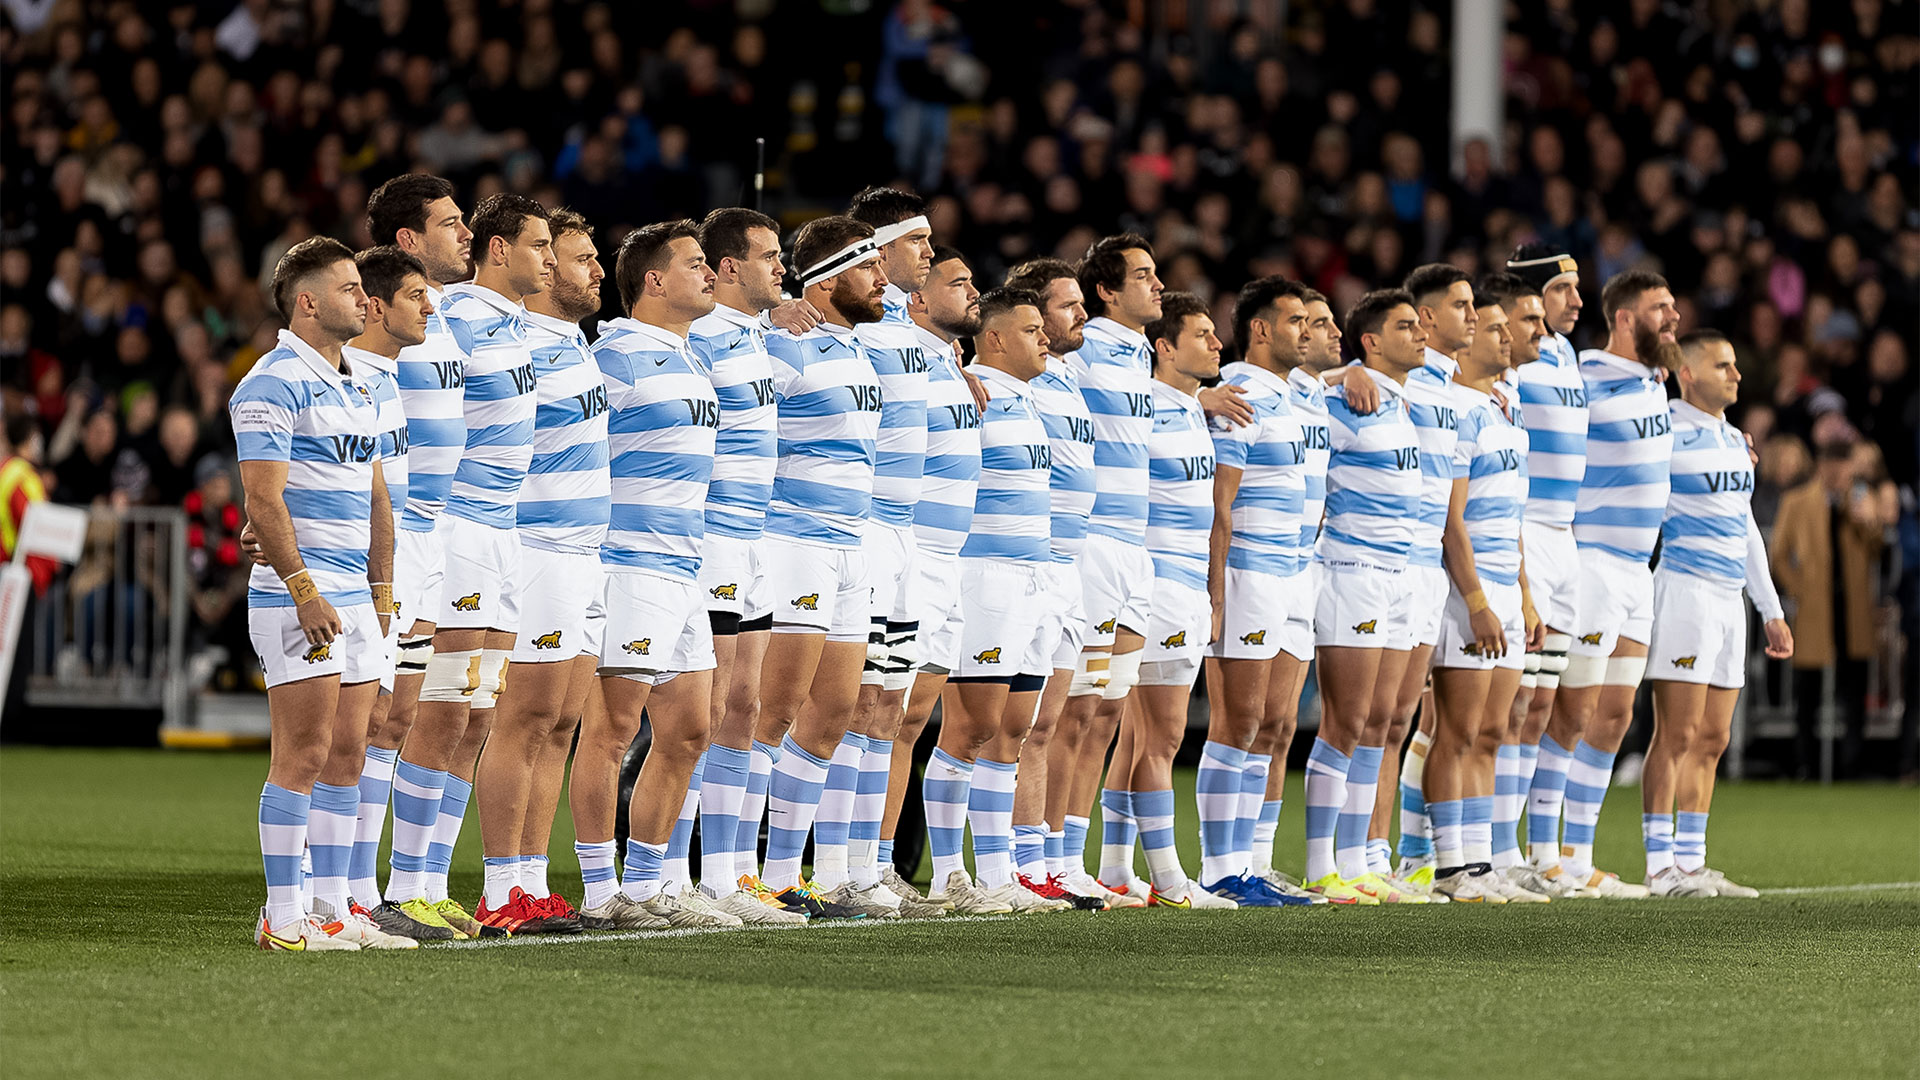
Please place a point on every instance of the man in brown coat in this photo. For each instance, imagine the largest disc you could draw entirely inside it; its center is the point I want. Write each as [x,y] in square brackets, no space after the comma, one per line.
[1825,543]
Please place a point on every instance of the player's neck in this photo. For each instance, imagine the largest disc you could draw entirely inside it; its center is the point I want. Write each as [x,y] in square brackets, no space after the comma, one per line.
[921,320]
[1377,362]
[377,341]
[1622,347]
[327,347]
[495,278]
[735,297]
[1717,414]
[1186,384]
[1264,358]
[662,316]
[1481,381]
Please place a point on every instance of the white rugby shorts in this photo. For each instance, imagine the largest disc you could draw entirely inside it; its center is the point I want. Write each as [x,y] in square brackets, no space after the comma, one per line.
[1302,604]
[1457,648]
[733,576]
[1430,587]
[940,615]
[481,587]
[1065,616]
[356,655]
[1253,624]
[1116,587]
[1362,606]
[558,589]
[419,563]
[818,589]
[1001,603]
[1616,601]
[655,625]
[1553,568]
[890,552]
[1699,631]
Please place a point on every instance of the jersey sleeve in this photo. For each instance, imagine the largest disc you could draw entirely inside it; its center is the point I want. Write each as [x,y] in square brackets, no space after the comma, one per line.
[1760,575]
[263,409]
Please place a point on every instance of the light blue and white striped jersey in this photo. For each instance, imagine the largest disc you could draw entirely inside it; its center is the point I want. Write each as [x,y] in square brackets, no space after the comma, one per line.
[893,348]
[379,373]
[1179,488]
[1373,480]
[432,384]
[491,334]
[829,405]
[1056,393]
[734,346]
[1709,512]
[1115,369]
[1553,399]
[567,498]
[1430,401]
[1012,514]
[294,407]
[1307,395]
[1271,454]
[945,512]
[1492,455]
[1623,494]
[660,439]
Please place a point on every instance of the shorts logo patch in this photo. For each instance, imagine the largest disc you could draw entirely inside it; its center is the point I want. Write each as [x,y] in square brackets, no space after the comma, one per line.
[725,592]
[396,609]
[809,602]
[317,653]
[1685,662]
[987,656]
[639,648]
[1470,649]
[1174,641]
[469,602]
[1368,627]
[1106,627]
[1590,639]
[549,640]
[1258,637]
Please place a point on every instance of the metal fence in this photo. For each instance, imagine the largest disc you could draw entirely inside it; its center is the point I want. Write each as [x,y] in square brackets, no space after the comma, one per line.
[112,630]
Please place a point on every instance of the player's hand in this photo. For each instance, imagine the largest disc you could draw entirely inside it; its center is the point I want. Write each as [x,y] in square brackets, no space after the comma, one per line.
[1779,639]
[1216,621]
[977,388]
[1753,456]
[1361,392]
[1489,637]
[385,621]
[795,316]
[250,544]
[1536,629]
[318,621]
[1227,403]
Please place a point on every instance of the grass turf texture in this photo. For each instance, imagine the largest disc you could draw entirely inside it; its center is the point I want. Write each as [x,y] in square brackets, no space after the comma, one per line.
[131,878]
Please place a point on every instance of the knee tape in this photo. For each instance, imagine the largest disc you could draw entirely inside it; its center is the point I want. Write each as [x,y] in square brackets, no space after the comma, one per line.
[1090,673]
[414,652]
[1553,660]
[1530,671]
[493,677]
[1580,672]
[1625,670]
[876,645]
[1123,672]
[1168,673]
[452,676]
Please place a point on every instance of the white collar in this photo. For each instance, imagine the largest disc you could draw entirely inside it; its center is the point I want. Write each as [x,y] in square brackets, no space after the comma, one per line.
[1108,328]
[656,334]
[1258,374]
[312,357]
[733,316]
[560,327]
[487,296]
[359,358]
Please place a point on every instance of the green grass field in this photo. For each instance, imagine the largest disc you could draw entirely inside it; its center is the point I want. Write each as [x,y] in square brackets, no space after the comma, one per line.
[130,880]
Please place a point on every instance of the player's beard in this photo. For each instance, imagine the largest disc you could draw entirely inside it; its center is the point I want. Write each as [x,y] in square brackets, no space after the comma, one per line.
[1654,352]
[854,306]
[574,302]
[451,272]
[1066,342]
[966,326]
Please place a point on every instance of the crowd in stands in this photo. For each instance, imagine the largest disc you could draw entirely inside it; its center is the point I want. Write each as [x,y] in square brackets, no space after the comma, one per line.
[157,157]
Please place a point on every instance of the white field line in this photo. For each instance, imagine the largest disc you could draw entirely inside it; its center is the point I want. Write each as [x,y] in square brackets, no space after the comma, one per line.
[1817,890]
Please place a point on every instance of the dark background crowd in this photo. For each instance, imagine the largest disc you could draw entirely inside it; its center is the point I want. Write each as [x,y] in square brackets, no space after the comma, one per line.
[157,157]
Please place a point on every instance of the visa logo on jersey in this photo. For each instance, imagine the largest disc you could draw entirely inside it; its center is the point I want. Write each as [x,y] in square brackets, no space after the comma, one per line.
[1648,427]
[866,398]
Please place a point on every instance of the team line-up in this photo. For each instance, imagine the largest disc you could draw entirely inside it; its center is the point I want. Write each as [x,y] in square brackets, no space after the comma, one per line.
[786,527]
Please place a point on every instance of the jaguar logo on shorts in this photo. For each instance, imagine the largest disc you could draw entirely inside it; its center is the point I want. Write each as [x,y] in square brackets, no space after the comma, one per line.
[469,602]
[987,656]
[1174,641]
[396,609]
[1590,639]
[809,602]
[639,648]
[1470,649]
[317,653]
[725,592]
[549,640]
[1367,627]
[1685,662]
[1105,627]
[1258,637]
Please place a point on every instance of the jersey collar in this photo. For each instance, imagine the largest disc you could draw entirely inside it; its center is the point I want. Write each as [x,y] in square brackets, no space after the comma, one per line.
[1257,374]
[1621,364]
[655,335]
[307,354]
[1103,327]
[490,298]
[364,360]
[558,327]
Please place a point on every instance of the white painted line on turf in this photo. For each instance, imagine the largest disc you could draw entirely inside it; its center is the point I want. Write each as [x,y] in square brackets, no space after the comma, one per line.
[1815,890]
[660,935]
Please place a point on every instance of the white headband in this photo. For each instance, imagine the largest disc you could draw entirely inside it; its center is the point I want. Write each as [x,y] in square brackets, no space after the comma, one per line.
[860,251]
[887,234]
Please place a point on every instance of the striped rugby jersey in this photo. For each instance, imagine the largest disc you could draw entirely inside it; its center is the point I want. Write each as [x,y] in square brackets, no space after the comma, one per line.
[379,373]
[1553,399]
[1492,455]
[1430,401]
[294,407]
[1307,396]
[490,332]
[1271,454]
[1056,393]
[432,385]
[733,344]
[1012,512]
[829,414]
[660,438]
[567,498]
[1623,493]
[1709,531]
[894,349]
[944,514]
[1374,481]
[1115,369]
[1179,488]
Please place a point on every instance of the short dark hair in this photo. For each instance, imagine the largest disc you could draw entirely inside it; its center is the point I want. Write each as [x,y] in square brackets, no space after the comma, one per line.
[303,260]
[723,233]
[644,250]
[879,206]
[820,238]
[1370,311]
[401,203]
[562,219]
[1175,308]
[502,215]
[1308,296]
[1106,264]
[1623,288]
[383,269]
[1432,278]
[997,302]
[1706,337]
[1502,288]
[1037,275]
[942,253]
[1257,296]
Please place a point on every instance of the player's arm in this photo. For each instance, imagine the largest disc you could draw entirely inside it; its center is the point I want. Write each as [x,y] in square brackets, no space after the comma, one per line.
[1359,389]
[265,486]
[1226,402]
[1226,488]
[1536,629]
[1456,552]
[380,549]
[1760,588]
